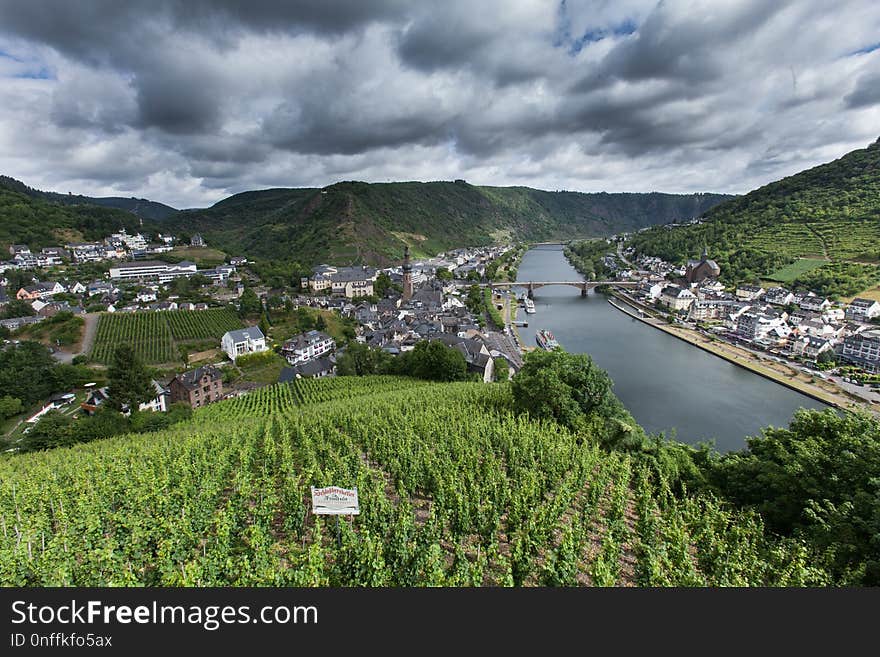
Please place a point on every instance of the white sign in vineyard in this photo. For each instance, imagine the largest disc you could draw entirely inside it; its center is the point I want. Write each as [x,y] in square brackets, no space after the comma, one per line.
[335,501]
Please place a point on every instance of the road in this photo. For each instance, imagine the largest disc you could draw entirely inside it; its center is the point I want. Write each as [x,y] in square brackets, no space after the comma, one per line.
[91,327]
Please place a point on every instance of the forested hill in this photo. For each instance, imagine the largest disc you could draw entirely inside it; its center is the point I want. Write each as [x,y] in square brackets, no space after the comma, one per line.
[830,212]
[140,207]
[356,222]
[27,218]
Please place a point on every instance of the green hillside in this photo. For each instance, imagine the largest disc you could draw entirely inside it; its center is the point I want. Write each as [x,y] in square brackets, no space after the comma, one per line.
[455,489]
[37,222]
[356,222]
[830,212]
[140,207]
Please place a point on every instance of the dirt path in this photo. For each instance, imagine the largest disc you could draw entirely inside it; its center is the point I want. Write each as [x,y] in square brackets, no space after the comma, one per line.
[89,336]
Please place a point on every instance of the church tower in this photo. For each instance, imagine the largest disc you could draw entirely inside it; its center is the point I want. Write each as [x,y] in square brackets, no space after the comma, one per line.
[407,276]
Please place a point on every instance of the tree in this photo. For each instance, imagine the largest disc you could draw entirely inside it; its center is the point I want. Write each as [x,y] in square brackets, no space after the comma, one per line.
[381,284]
[562,386]
[52,430]
[249,304]
[320,323]
[816,480]
[9,406]
[264,324]
[444,274]
[130,383]
[435,361]
[361,360]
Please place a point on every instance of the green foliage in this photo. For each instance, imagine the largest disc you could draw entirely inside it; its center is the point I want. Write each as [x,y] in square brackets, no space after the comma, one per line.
[361,360]
[454,489]
[29,373]
[249,304]
[562,386]
[130,383]
[588,257]
[829,211]
[26,217]
[502,369]
[361,223]
[444,274]
[10,406]
[381,284]
[435,361]
[16,308]
[839,279]
[818,480]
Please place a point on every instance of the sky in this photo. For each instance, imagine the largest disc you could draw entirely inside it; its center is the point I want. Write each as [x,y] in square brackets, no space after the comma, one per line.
[189,101]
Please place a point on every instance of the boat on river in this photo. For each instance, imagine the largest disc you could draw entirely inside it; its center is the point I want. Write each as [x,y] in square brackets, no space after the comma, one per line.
[546,340]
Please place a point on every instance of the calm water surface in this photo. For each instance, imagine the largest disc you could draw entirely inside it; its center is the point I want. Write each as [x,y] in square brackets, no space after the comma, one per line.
[668,385]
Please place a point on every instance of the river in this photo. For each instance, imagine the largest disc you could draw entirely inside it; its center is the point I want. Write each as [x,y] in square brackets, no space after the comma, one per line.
[668,385]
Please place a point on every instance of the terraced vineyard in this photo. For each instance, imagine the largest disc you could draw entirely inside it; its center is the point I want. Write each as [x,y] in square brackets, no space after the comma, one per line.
[454,490]
[154,334]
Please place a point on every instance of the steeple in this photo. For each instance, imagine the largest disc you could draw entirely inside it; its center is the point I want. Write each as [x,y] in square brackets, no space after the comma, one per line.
[705,252]
[407,275]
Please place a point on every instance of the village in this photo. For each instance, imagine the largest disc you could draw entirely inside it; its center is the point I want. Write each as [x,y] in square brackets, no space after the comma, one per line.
[390,309]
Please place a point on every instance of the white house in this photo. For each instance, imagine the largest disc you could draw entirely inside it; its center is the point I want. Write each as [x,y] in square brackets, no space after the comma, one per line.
[862,310]
[677,298]
[307,346]
[243,341]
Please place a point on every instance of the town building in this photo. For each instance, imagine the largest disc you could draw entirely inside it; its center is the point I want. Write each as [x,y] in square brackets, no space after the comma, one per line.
[699,270]
[197,387]
[862,310]
[677,298]
[863,349]
[243,341]
[307,346]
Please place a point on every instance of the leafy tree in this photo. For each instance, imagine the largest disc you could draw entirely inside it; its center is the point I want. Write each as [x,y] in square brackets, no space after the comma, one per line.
[130,383]
[361,360]
[444,274]
[435,361]
[320,323]
[562,386]
[27,372]
[17,308]
[249,304]
[264,324]
[381,285]
[53,429]
[10,406]
[305,319]
[818,480]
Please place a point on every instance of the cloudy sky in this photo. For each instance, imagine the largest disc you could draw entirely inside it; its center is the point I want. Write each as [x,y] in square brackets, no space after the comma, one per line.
[188,101]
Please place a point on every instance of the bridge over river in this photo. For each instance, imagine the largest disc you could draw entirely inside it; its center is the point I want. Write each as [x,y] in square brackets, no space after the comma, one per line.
[531,286]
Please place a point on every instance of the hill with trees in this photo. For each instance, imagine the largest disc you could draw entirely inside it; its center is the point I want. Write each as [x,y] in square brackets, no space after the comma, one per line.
[828,213]
[371,223]
[31,218]
[139,207]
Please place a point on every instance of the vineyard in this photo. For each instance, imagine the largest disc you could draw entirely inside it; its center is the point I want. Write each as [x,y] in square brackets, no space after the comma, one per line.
[154,334]
[454,488]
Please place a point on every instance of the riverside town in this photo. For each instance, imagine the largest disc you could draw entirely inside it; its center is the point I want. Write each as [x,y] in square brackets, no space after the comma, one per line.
[570,295]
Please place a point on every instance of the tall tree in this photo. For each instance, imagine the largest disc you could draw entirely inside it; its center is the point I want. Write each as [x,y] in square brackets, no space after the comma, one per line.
[130,383]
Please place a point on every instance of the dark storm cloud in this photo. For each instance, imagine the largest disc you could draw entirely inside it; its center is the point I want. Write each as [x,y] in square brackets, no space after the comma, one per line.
[199,96]
[866,92]
[100,30]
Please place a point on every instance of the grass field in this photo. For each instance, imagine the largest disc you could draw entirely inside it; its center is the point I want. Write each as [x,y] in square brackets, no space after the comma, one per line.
[799,267]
